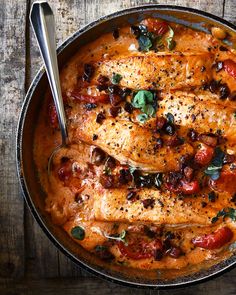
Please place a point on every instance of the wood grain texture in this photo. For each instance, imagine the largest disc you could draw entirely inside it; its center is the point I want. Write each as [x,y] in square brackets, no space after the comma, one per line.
[45,265]
[12,81]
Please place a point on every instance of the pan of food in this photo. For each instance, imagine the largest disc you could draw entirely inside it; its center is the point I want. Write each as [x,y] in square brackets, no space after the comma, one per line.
[144,192]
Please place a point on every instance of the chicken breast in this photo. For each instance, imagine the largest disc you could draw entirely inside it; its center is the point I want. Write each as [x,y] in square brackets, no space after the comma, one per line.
[155,206]
[192,111]
[159,71]
[128,142]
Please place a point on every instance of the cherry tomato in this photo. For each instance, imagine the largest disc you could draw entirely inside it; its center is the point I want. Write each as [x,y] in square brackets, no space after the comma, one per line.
[204,155]
[189,188]
[156,26]
[225,183]
[139,249]
[215,240]
[230,67]
[104,98]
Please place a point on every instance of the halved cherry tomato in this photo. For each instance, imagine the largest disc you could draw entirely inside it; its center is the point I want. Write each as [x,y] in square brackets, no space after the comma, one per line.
[156,26]
[215,240]
[225,183]
[189,188]
[230,67]
[71,179]
[204,155]
[139,249]
[104,98]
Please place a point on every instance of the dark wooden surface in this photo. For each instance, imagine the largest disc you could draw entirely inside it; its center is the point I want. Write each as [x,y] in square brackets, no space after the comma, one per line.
[29,263]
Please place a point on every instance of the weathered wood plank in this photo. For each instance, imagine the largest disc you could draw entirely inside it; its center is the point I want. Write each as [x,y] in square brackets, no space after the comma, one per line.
[230,11]
[67,286]
[12,80]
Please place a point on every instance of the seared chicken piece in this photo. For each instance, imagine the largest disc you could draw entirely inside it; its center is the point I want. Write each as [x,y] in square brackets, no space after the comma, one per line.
[128,142]
[159,71]
[156,207]
[191,111]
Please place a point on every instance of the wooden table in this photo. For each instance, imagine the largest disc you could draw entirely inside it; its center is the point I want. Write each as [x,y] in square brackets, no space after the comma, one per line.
[29,263]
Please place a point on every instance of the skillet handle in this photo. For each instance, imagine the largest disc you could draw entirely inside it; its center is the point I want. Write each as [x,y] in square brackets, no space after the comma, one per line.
[42,21]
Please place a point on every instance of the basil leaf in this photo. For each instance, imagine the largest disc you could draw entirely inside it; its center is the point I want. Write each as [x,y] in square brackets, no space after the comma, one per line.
[145,43]
[142,98]
[142,118]
[170,42]
[115,79]
[78,233]
[226,212]
[148,110]
[213,170]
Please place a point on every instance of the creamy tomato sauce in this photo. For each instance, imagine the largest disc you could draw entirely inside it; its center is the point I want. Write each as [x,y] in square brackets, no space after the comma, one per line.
[148,180]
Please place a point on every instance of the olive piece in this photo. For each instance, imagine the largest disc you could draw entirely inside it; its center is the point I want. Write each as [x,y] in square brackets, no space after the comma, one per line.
[169,129]
[128,107]
[224,91]
[98,156]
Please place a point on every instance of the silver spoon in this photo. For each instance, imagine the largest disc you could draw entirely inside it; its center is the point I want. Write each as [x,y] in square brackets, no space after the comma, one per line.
[42,21]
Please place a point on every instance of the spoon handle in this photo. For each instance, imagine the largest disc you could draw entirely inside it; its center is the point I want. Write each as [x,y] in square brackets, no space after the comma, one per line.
[42,21]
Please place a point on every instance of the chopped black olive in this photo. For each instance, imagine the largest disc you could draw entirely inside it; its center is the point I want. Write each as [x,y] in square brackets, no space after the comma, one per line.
[131,196]
[114,89]
[88,72]
[158,254]
[98,156]
[224,91]
[100,118]
[95,137]
[169,129]
[212,196]
[213,86]
[64,159]
[159,143]
[148,203]
[128,107]
[116,34]
[203,69]
[192,134]
[223,48]
[175,252]
[102,80]
[90,106]
[125,176]
[107,181]
[135,31]
[204,204]
[114,99]
[114,111]
[110,162]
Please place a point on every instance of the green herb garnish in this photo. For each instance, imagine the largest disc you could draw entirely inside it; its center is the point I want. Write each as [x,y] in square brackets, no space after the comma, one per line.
[144,100]
[121,237]
[115,79]
[214,169]
[78,233]
[226,212]
[170,41]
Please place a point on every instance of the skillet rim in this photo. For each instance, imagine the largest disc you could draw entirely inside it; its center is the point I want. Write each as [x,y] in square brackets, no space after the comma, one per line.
[186,280]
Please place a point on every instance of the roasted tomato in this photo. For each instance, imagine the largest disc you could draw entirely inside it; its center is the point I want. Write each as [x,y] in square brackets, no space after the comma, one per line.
[225,183]
[70,174]
[189,188]
[230,67]
[103,98]
[204,155]
[156,26]
[140,249]
[215,240]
